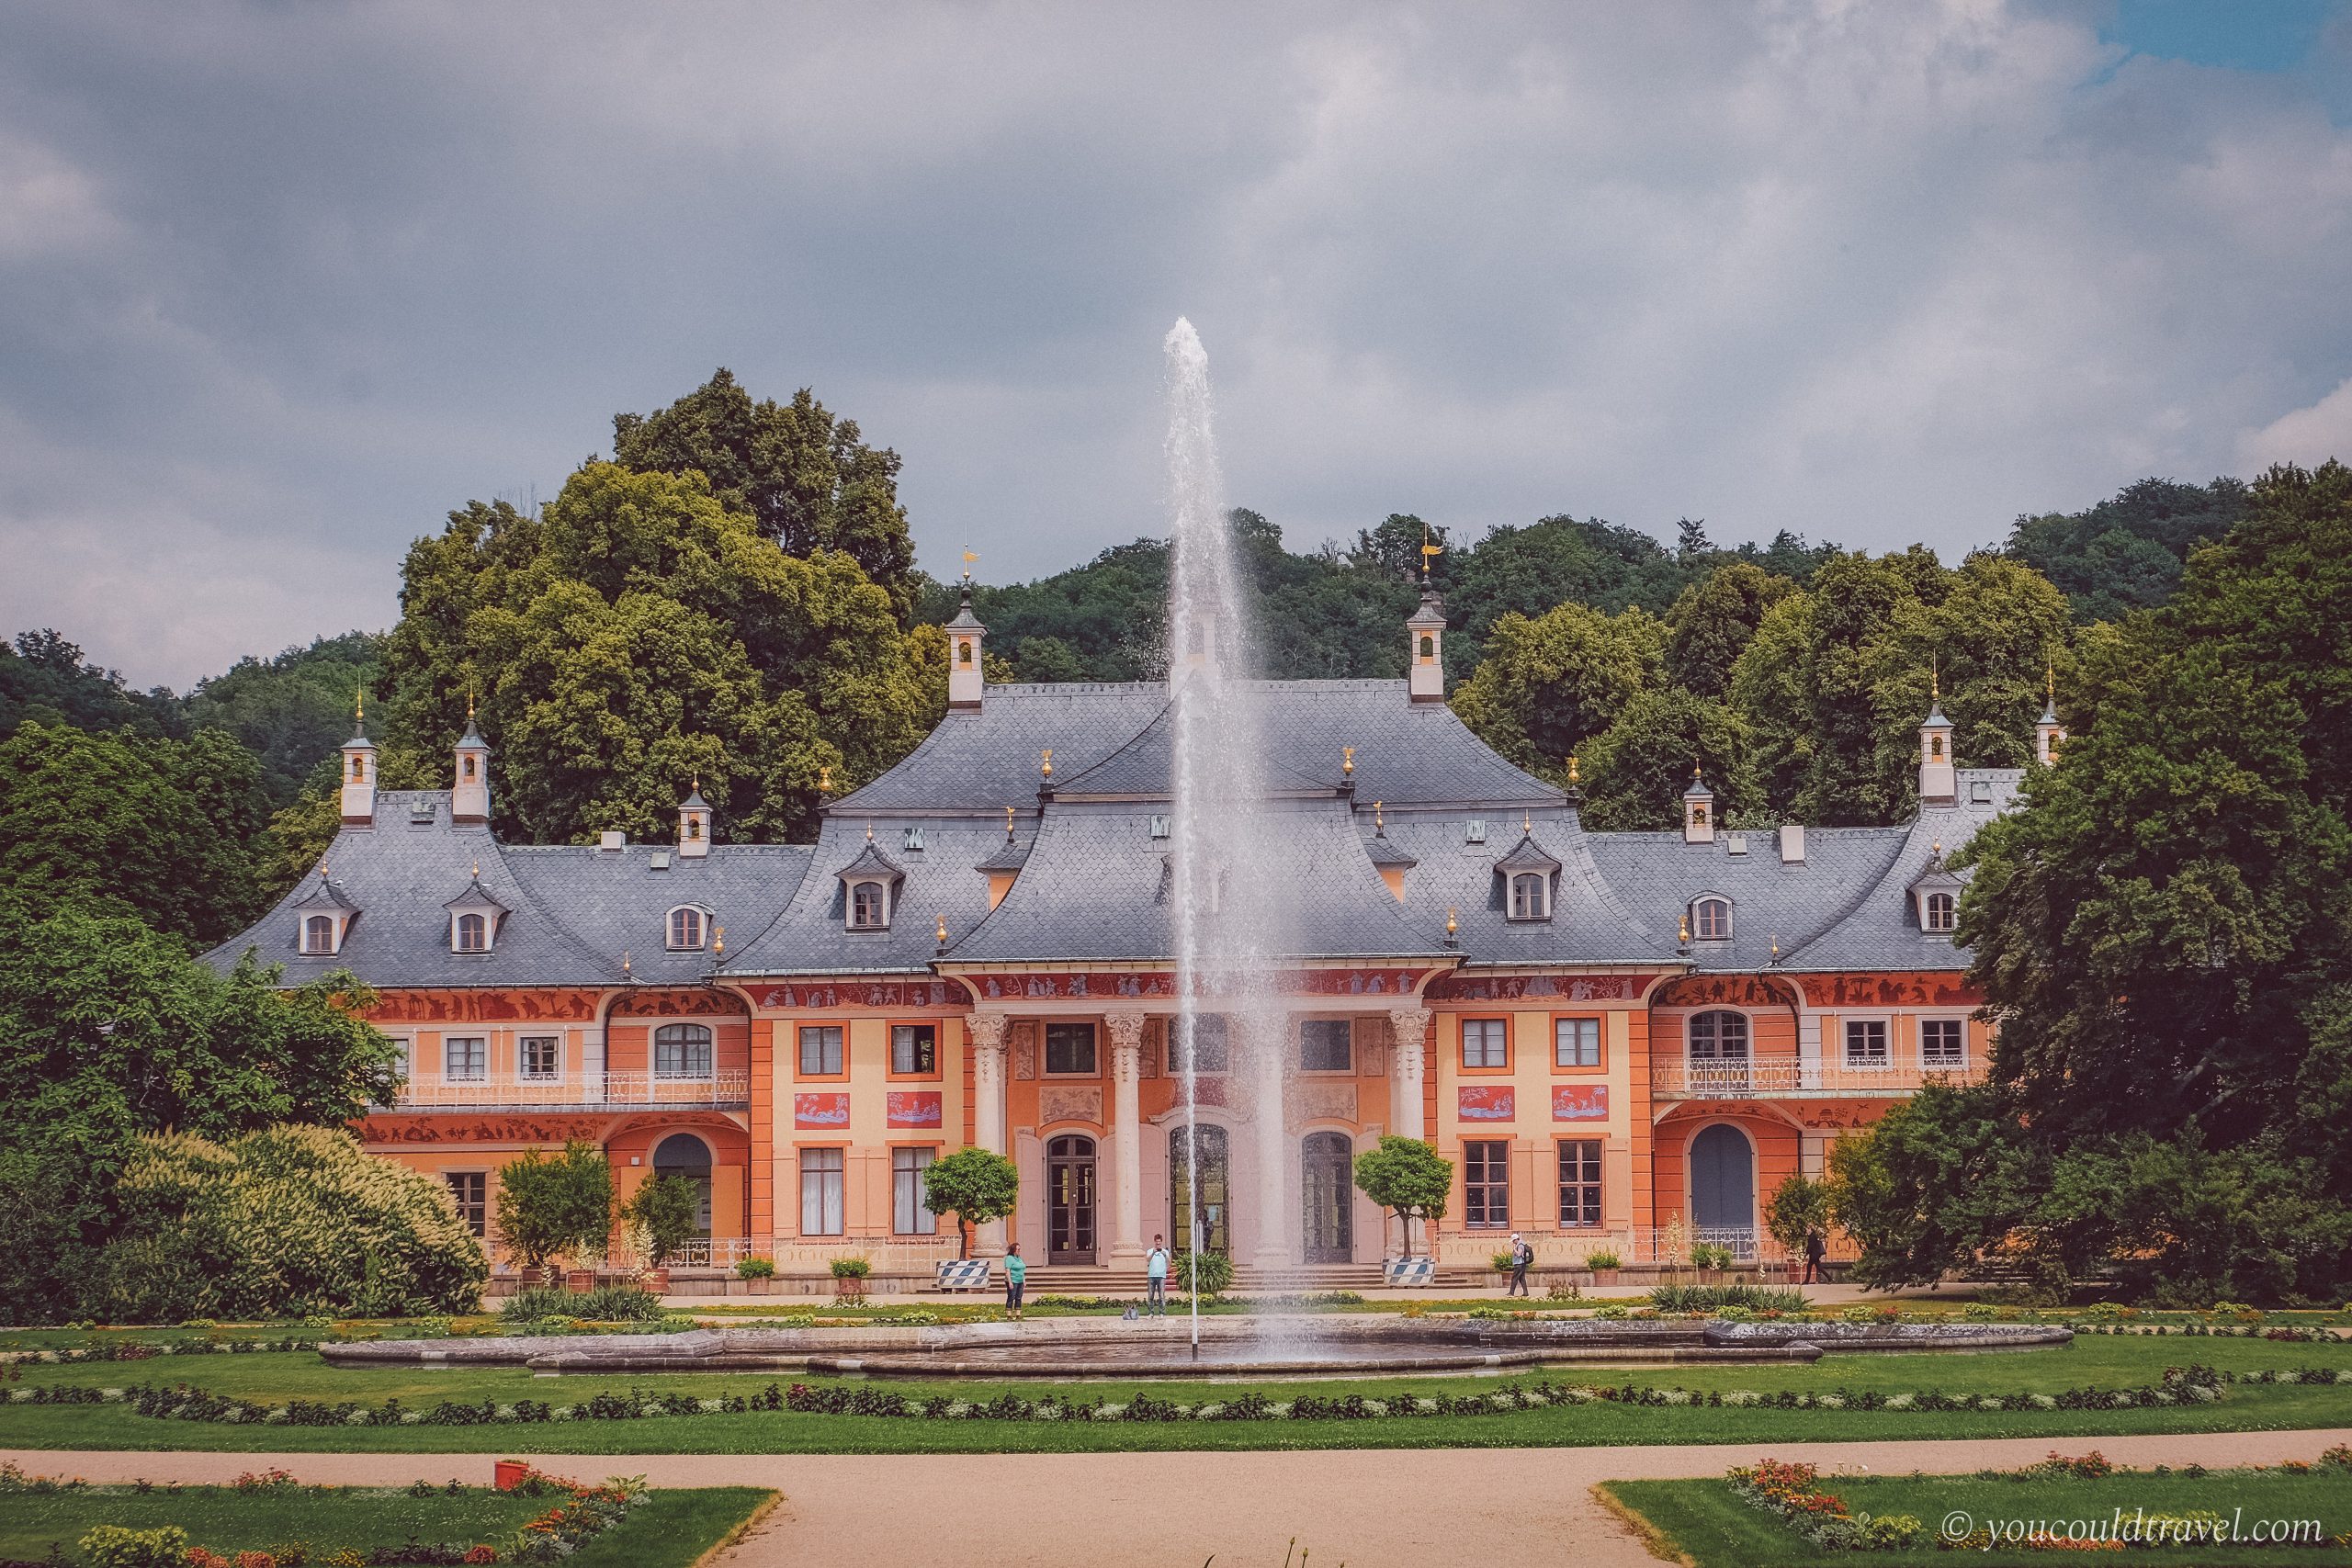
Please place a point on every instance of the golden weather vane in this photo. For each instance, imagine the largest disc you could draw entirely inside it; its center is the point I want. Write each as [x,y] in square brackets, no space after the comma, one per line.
[1429,552]
[970,555]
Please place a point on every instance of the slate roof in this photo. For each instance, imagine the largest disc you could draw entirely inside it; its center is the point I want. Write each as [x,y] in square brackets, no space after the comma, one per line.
[1090,880]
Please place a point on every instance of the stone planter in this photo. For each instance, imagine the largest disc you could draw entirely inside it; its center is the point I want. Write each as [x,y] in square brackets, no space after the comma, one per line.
[1606,1275]
[580,1281]
[849,1287]
[655,1280]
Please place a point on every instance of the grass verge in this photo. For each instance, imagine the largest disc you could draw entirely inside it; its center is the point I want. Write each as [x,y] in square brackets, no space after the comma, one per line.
[1706,1525]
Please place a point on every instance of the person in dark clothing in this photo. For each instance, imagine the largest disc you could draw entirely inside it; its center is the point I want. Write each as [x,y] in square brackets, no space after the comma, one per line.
[1817,1246]
[1521,1255]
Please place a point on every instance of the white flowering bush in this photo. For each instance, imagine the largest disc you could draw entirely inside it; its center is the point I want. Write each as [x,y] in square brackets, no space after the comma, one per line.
[285,1222]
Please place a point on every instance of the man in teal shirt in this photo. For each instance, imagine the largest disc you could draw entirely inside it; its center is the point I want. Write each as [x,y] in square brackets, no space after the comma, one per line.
[1155,1273]
[1016,1275]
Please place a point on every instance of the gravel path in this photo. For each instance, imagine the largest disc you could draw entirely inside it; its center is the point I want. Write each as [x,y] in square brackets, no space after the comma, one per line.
[1368,1508]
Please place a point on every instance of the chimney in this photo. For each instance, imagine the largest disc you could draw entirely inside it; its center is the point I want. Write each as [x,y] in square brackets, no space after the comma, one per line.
[1791,844]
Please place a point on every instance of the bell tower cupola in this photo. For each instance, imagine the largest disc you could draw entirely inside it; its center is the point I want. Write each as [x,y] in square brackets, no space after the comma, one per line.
[1938,780]
[966,680]
[359,771]
[694,824]
[470,788]
[2048,733]
[1698,810]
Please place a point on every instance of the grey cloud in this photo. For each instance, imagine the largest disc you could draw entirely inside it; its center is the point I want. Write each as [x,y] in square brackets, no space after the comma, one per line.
[280,286]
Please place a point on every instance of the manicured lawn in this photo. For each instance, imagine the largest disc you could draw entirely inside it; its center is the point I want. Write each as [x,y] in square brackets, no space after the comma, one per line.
[1708,1521]
[669,1530]
[2101,1362]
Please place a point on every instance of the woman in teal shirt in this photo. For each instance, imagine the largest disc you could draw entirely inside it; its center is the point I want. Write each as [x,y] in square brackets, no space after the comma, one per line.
[1016,1275]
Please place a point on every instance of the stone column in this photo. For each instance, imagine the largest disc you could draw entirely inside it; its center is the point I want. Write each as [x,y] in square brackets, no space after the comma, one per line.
[1126,1134]
[1411,1026]
[985,1033]
[1268,1045]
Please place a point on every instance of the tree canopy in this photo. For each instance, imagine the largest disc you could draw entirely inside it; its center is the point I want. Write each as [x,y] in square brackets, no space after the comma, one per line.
[2128,552]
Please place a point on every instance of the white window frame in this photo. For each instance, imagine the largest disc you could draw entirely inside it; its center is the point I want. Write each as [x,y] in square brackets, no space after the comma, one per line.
[457,930]
[701,934]
[1539,906]
[1699,932]
[1846,1027]
[709,1044]
[1960,1063]
[881,903]
[800,1049]
[479,1055]
[334,936]
[1926,907]
[523,1069]
[1583,1021]
[1481,1023]
[908,1216]
[825,1203]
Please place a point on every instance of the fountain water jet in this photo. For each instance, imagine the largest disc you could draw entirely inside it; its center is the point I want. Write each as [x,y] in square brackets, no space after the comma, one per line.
[1222,853]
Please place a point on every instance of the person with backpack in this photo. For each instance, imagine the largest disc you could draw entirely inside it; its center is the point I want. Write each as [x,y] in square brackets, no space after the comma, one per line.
[1521,1255]
[1816,1248]
[1155,1275]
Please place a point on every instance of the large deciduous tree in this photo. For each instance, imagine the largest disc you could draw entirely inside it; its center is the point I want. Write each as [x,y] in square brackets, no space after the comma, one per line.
[1636,769]
[1551,683]
[637,633]
[806,476]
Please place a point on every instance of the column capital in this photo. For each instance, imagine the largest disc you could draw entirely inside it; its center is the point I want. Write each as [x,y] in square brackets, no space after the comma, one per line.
[1126,1029]
[987,1030]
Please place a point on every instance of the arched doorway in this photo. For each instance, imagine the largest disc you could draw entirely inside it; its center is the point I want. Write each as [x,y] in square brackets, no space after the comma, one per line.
[1327,1198]
[1723,1188]
[1069,1200]
[683,1155]
[1718,1053]
[1214,1207]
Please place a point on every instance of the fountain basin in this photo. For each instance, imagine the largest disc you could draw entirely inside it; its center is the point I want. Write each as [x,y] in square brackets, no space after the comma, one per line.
[1162,1347]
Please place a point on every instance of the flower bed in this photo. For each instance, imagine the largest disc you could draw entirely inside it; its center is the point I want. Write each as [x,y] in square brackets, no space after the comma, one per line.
[1792,1491]
[2181,1385]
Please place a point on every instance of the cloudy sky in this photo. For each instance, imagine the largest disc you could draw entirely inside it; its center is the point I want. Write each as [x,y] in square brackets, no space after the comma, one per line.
[282,284]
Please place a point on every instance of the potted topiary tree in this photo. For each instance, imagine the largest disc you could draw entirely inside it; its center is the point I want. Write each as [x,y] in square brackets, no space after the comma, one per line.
[758,1274]
[1800,1208]
[558,1207]
[975,1187]
[665,1212]
[849,1278]
[1409,1178]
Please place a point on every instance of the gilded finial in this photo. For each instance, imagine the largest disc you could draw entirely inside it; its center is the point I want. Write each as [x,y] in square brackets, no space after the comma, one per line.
[719,941]
[943,933]
[476,871]
[869,832]
[1348,761]
[969,556]
[1379,823]
[1695,767]
[359,707]
[1428,551]
[1935,681]
[1776,949]
[1045,763]
[1682,930]
[824,778]
[470,706]
[1572,770]
[1937,849]
[1008,824]
[1527,823]
[1451,925]
[2050,681]
[626,969]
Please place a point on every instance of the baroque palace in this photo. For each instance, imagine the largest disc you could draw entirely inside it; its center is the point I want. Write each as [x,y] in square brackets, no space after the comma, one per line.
[1624,1041]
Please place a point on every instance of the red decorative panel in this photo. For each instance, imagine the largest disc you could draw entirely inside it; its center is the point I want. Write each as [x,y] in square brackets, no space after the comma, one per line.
[1539,987]
[810,995]
[1929,990]
[1161,984]
[674,1004]
[550,1006]
[1580,1103]
[1724,990]
[821,1111]
[1486,1102]
[912,1108]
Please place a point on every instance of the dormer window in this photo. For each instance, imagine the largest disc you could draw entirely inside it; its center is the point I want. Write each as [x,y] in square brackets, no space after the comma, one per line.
[1531,897]
[1474,831]
[913,840]
[319,934]
[869,906]
[472,934]
[869,885]
[1159,825]
[1710,920]
[688,927]
[1938,912]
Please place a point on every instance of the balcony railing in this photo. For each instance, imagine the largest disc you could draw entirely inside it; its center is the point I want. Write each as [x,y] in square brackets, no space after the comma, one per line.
[1775,1077]
[619,1090]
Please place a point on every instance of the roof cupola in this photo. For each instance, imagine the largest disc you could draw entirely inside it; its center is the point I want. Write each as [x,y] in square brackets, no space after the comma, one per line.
[965,679]
[359,770]
[2048,733]
[694,824]
[470,789]
[1938,780]
[1698,810]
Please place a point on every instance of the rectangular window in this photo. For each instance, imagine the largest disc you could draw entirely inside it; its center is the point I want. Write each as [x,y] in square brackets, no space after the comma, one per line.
[1575,1042]
[1579,1181]
[682,1051]
[821,1191]
[821,1049]
[465,1059]
[1943,1043]
[404,1050]
[542,1056]
[908,1216]
[1485,1042]
[1209,1053]
[1865,1043]
[914,1048]
[1326,1045]
[470,1190]
[1070,1048]
[1486,1184]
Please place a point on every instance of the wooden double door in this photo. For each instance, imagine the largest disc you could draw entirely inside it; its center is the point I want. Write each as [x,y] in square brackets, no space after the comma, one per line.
[1070,1207]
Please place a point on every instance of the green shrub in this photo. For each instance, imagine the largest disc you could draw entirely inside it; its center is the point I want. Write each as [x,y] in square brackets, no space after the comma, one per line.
[606,1304]
[1204,1273]
[664,1213]
[1980,1312]
[851,1268]
[1716,1298]
[1613,1309]
[1501,1262]
[287,1221]
[1602,1258]
[755,1269]
[113,1546]
[560,1207]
